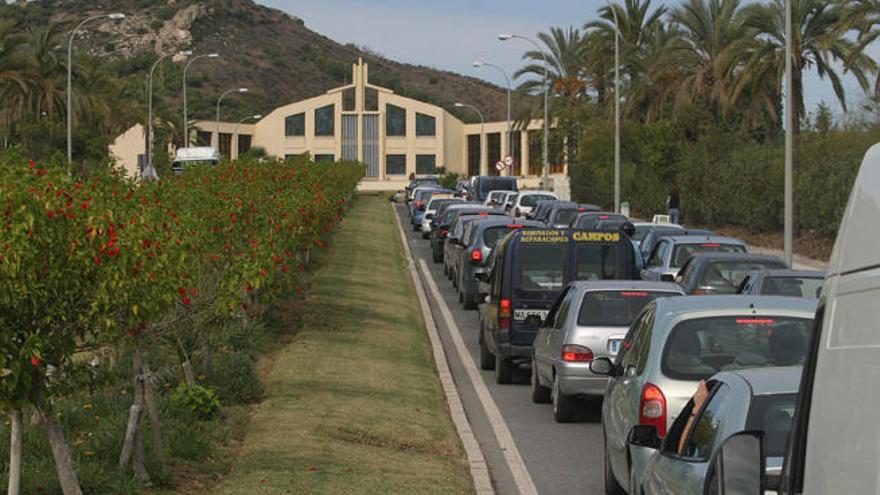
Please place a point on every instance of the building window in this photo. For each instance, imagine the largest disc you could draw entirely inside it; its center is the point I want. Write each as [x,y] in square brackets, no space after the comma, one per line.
[493,149]
[244,143]
[293,156]
[203,138]
[325,124]
[348,100]
[516,152]
[371,100]
[225,144]
[473,154]
[295,125]
[425,125]
[536,152]
[395,120]
[426,164]
[325,158]
[395,164]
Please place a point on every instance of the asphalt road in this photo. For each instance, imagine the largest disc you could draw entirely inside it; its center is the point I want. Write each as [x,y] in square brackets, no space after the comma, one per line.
[560,458]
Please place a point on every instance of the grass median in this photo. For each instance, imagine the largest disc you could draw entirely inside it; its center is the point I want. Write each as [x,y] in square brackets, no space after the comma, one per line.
[353,403]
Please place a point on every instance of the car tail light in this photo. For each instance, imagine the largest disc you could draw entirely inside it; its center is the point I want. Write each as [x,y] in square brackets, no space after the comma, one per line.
[634,294]
[604,217]
[484,213]
[754,321]
[702,292]
[652,408]
[476,255]
[443,232]
[581,209]
[504,314]
[576,354]
[514,226]
[710,244]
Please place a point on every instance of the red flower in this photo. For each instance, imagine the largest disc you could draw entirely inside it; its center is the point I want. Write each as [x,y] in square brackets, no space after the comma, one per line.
[192,291]
[285,268]
[181,290]
[41,172]
[50,214]
[35,361]
[185,301]
[147,243]
[96,259]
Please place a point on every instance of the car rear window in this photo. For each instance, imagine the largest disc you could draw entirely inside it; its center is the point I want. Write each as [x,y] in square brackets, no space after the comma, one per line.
[492,235]
[774,415]
[595,261]
[564,217]
[541,266]
[683,252]
[530,200]
[590,221]
[808,287]
[488,184]
[725,277]
[617,308]
[700,347]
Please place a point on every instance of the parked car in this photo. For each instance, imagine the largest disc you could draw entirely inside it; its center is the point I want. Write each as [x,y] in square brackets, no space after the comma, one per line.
[721,273]
[588,320]
[440,227]
[643,228]
[431,211]
[494,198]
[671,253]
[508,200]
[526,200]
[654,235]
[588,220]
[478,241]
[429,181]
[482,185]
[675,343]
[747,400]
[419,204]
[541,209]
[562,213]
[453,245]
[793,283]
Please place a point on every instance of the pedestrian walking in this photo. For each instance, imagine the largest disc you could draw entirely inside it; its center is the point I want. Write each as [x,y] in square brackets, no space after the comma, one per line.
[673,204]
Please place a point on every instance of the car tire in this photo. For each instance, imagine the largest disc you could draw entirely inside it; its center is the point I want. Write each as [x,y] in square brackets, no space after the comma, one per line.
[426,235]
[487,359]
[540,393]
[612,487]
[416,227]
[446,270]
[453,278]
[436,258]
[467,299]
[503,370]
[460,296]
[563,405]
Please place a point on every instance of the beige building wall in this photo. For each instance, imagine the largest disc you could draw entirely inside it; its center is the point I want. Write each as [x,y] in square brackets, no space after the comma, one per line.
[127,148]
[233,129]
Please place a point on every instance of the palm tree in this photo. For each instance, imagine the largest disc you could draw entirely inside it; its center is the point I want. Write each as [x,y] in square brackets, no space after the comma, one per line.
[818,43]
[863,16]
[13,81]
[564,48]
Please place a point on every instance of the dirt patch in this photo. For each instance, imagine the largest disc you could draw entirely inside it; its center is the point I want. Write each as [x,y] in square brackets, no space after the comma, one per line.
[361,437]
[809,244]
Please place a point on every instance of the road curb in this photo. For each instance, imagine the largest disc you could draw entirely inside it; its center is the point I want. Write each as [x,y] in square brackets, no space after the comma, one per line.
[478,467]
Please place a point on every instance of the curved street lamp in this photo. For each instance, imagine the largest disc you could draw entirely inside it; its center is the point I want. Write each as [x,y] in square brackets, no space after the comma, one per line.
[479,64]
[235,131]
[616,107]
[149,171]
[116,17]
[220,99]
[482,125]
[185,115]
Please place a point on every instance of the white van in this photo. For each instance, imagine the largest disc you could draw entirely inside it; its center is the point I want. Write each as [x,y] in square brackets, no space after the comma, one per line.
[835,442]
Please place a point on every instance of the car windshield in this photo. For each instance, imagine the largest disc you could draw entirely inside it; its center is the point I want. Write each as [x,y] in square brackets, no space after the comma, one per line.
[700,347]
[642,231]
[615,308]
[530,200]
[541,266]
[808,287]
[596,261]
[437,203]
[774,415]
[725,277]
[683,252]
[492,235]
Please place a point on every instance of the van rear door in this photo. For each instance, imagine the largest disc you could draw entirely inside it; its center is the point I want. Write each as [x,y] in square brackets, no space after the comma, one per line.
[538,277]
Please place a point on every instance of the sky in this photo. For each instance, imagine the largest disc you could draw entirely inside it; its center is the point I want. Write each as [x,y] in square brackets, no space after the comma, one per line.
[452,34]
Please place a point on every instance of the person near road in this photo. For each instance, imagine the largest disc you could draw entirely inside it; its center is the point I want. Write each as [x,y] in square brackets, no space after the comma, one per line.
[673,204]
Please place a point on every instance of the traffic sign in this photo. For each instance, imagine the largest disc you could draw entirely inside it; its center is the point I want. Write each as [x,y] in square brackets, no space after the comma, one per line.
[499,166]
[508,161]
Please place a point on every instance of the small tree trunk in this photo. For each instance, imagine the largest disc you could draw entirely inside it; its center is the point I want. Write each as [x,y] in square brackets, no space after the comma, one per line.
[140,460]
[207,358]
[60,451]
[17,431]
[130,434]
[153,412]
[188,373]
[133,445]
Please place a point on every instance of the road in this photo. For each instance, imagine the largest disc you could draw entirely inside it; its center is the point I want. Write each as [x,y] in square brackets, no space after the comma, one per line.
[559,458]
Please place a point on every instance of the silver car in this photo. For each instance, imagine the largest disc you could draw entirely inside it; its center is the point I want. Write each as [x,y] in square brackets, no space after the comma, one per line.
[748,400]
[675,343]
[671,253]
[589,320]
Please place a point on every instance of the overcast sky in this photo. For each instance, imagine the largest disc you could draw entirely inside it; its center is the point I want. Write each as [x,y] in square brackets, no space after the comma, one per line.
[451,34]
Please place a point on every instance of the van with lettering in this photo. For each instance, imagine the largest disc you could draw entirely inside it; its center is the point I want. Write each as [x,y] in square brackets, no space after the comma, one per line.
[526,273]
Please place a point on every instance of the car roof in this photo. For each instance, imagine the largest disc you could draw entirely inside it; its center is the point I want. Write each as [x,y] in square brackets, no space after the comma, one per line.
[694,239]
[791,273]
[597,285]
[671,226]
[854,247]
[495,220]
[710,257]
[766,381]
[674,308]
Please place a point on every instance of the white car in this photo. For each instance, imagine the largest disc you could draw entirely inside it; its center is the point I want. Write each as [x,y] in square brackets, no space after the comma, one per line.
[526,200]
[431,210]
[495,198]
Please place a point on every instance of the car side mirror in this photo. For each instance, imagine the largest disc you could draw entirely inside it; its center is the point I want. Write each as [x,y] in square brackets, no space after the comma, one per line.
[667,277]
[644,436]
[738,466]
[602,366]
[429,216]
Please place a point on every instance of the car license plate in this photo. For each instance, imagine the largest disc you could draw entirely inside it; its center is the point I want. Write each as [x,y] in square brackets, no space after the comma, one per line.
[613,346]
[522,314]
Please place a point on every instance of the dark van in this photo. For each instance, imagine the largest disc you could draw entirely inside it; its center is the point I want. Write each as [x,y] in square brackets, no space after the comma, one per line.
[526,273]
[484,184]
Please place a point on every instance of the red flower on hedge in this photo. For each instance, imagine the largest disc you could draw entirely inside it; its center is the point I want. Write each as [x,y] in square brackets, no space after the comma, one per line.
[35,361]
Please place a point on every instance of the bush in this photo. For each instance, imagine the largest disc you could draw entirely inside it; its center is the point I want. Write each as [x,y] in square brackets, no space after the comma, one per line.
[236,378]
[200,401]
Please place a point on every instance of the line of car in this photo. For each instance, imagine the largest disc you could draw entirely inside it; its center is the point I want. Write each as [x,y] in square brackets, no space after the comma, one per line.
[687,346]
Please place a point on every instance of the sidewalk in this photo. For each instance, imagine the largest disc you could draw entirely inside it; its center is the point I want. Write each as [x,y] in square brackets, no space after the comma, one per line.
[800,262]
[354,404]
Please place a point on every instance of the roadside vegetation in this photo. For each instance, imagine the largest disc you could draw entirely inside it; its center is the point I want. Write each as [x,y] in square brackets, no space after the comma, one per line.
[353,404]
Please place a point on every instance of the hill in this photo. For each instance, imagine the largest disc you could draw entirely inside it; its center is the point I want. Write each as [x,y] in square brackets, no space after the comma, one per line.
[272,53]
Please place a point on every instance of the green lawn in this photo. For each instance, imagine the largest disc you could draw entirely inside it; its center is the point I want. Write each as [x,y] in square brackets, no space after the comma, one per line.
[353,402]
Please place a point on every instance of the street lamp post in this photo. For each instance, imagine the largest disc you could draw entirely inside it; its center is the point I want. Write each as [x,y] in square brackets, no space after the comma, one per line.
[479,64]
[616,107]
[235,132]
[149,171]
[546,171]
[116,17]
[185,115]
[220,99]
[482,125]
[789,140]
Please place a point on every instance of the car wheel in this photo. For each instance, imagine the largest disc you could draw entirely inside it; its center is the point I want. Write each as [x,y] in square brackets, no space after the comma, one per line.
[454,278]
[426,235]
[416,227]
[563,405]
[503,370]
[460,296]
[612,487]
[467,299]
[540,393]
[446,270]
[436,257]
[487,359]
